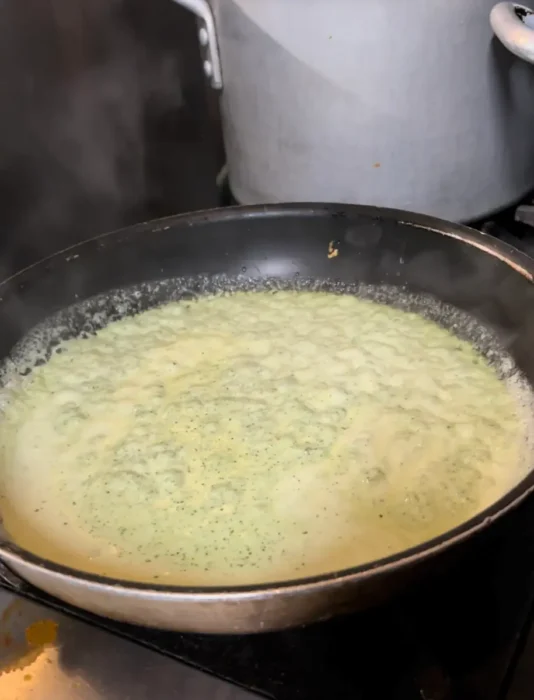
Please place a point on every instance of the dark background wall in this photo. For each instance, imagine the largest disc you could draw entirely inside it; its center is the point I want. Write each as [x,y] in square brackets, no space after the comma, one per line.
[105,119]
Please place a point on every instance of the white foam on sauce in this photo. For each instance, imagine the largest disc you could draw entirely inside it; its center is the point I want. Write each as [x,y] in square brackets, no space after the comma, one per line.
[252,437]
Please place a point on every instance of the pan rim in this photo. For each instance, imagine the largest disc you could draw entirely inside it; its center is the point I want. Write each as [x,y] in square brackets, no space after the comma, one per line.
[518,261]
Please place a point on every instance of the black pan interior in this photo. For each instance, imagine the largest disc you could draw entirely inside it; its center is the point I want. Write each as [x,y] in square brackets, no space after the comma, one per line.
[289,246]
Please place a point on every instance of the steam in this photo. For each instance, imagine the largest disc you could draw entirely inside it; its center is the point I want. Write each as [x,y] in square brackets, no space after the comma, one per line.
[78,85]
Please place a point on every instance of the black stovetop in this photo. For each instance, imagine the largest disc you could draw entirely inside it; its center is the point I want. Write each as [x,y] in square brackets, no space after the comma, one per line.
[465,633]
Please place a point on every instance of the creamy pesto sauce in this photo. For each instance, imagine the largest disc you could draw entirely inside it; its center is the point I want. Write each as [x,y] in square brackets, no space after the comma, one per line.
[253,437]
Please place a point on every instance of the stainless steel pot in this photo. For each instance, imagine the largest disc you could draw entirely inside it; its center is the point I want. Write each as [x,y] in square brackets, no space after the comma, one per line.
[395,103]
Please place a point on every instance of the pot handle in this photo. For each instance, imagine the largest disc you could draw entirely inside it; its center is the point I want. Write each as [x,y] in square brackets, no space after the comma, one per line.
[207,37]
[513,24]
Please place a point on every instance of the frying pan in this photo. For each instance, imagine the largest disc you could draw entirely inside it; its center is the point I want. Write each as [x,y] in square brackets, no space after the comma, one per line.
[192,253]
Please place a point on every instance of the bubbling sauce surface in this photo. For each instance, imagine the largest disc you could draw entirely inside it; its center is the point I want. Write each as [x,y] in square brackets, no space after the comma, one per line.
[254,437]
